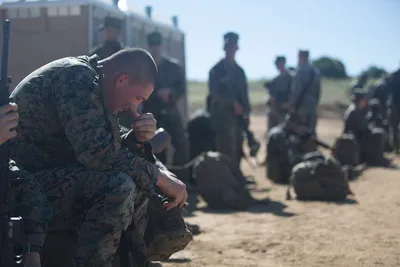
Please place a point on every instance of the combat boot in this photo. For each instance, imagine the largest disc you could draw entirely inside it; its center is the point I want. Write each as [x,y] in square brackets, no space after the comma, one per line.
[166,232]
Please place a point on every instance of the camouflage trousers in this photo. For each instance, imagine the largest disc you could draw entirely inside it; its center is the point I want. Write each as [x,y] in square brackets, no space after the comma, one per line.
[228,135]
[31,204]
[99,205]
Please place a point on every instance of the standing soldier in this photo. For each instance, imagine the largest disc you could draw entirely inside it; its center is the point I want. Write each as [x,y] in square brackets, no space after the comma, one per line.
[229,101]
[279,91]
[306,92]
[169,88]
[111,29]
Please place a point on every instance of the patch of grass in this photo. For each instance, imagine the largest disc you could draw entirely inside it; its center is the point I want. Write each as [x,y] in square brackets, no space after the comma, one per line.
[333,91]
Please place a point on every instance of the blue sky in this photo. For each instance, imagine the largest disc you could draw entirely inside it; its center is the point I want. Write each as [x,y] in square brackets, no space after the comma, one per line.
[359,32]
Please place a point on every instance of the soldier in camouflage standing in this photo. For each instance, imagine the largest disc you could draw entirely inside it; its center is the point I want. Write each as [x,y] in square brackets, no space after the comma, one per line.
[69,129]
[307,86]
[393,84]
[279,92]
[26,196]
[111,29]
[169,88]
[229,101]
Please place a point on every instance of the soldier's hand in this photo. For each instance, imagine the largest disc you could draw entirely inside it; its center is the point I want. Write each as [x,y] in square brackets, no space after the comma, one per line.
[144,126]
[237,108]
[173,188]
[8,122]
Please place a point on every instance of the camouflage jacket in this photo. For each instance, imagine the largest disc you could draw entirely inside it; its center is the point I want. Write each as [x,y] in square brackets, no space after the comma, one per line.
[355,122]
[228,83]
[310,98]
[279,87]
[63,123]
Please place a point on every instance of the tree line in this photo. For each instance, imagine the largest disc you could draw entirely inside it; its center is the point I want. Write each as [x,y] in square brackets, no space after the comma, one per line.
[334,68]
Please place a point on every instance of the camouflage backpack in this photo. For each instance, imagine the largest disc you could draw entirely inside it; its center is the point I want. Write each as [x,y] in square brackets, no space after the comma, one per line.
[278,161]
[318,178]
[220,183]
[346,150]
[284,150]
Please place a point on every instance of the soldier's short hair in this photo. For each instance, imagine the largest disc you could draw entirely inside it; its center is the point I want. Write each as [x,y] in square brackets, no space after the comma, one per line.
[280,59]
[137,63]
[111,22]
[304,53]
[231,38]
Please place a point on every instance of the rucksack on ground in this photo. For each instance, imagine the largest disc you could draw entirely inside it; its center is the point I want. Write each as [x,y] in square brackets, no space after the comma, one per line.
[278,163]
[220,183]
[347,150]
[319,177]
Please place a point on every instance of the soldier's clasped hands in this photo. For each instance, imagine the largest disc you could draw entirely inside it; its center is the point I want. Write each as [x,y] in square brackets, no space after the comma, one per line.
[8,122]
[144,126]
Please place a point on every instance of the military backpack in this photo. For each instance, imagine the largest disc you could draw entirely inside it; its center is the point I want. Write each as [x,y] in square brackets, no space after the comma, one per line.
[318,177]
[220,183]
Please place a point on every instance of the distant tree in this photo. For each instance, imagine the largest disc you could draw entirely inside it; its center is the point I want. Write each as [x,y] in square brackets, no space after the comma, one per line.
[374,72]
[330,67]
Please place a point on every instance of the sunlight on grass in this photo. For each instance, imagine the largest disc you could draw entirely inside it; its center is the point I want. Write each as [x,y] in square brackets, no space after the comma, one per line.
[333,91]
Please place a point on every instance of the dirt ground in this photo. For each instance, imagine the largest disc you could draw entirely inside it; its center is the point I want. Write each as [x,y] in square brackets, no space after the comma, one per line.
[291,233]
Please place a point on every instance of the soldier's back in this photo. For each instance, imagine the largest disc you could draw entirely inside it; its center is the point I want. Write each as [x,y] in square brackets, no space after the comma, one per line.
[41,133]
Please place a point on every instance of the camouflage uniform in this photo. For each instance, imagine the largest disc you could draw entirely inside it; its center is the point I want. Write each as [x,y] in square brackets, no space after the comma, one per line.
[307,108]
[170,75]
[355,122]
[75,153]
[228,83]
[29,202]
[394,89]
[109,47]
[370,137]
[279,90]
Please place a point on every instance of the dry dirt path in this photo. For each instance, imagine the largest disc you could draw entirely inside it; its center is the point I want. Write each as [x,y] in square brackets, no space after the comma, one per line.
[290,233]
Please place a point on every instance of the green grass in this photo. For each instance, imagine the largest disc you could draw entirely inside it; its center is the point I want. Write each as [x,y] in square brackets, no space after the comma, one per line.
[333,91]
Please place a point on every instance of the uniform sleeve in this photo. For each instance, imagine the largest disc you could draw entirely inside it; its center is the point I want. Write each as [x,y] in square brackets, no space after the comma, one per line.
[180,85]
[81,113]
[318,92]
[212,82]
[297,86]
[244,96]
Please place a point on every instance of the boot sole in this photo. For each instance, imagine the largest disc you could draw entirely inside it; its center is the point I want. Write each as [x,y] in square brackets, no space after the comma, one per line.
[165,245]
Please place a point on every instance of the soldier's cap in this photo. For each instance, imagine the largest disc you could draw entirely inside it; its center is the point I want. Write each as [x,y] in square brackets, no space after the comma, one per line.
[154,38]
[280,59]
[374,102]
[231,38]
[359,94]
[304,53]
[111,22]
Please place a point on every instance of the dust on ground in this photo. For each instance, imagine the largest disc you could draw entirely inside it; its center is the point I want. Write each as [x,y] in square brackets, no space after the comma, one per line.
[365,232]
